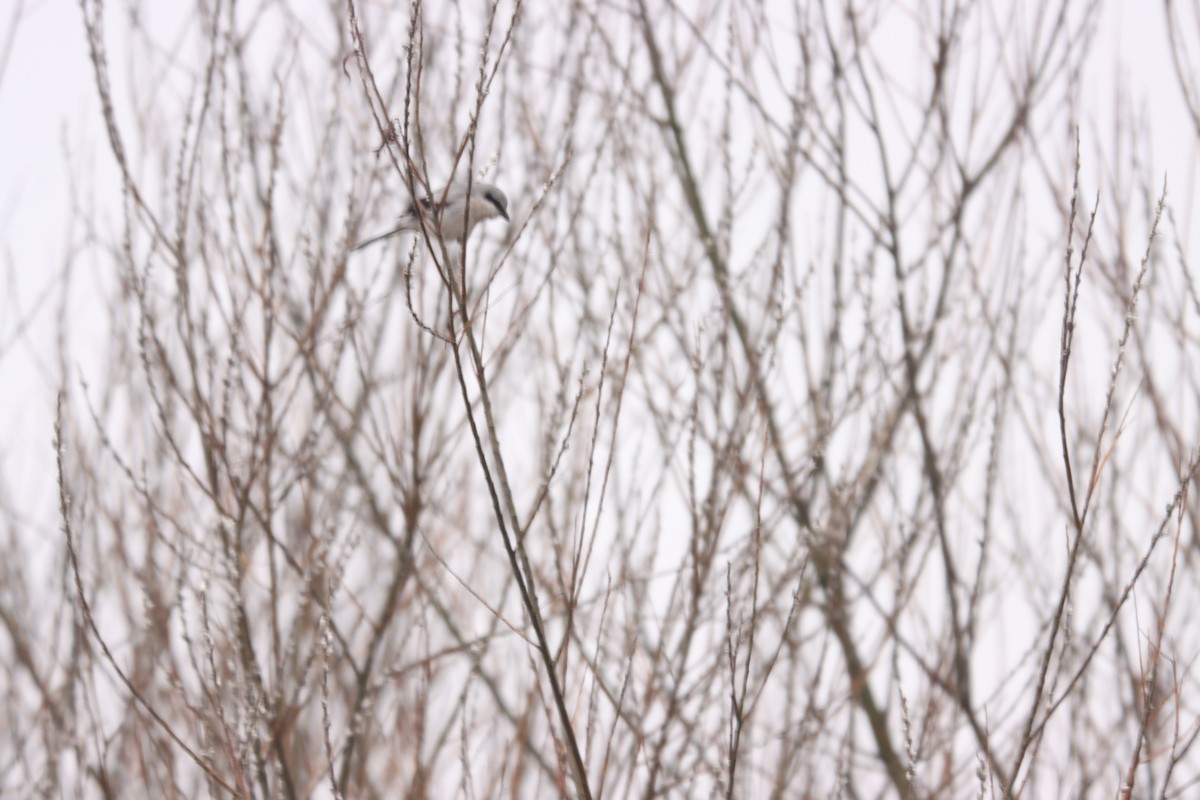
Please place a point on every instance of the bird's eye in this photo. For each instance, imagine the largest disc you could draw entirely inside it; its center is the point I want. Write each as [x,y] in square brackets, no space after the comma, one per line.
[491,198]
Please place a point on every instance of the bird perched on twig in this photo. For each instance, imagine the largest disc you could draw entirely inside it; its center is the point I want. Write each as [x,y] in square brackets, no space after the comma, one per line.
[451,214]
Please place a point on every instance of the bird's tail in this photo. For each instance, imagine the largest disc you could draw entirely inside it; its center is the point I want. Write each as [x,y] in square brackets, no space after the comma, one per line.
[405,226]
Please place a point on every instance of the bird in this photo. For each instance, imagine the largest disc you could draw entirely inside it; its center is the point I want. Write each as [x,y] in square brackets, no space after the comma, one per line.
[486,202]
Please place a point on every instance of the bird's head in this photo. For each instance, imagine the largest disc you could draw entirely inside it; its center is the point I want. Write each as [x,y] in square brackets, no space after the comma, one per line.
[494,201]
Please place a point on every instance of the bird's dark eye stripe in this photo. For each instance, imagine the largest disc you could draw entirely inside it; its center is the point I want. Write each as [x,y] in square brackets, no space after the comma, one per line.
[491,199]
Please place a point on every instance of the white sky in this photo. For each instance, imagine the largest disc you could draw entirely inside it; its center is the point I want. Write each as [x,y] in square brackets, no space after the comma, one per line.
[48,105]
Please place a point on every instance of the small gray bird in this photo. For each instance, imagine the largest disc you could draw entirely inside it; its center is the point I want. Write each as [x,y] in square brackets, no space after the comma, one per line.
[487,202]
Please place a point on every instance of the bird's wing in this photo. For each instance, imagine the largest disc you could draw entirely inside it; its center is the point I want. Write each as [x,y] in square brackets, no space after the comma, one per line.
[428,205]
[410,219]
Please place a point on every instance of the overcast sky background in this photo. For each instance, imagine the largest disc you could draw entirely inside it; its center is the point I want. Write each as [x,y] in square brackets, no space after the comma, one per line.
[49,114]
[52,133]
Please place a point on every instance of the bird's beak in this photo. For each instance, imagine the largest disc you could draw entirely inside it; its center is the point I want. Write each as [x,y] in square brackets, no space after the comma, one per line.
[504,214]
